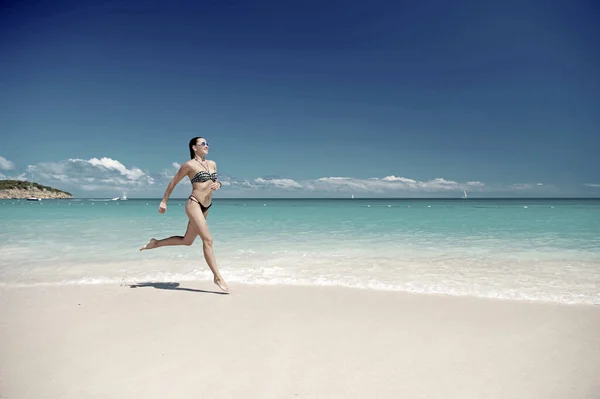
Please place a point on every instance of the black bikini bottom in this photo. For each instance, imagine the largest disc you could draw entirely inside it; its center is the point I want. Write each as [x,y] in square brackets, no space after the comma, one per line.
[202,207]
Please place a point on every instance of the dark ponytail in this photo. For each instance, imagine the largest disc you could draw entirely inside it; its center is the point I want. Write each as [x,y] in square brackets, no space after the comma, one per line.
[193,143]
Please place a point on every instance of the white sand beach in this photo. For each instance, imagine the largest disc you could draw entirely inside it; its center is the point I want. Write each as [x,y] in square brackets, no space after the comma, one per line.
[185,341]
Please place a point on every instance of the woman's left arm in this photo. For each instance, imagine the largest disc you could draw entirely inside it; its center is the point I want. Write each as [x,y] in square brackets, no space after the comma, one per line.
[217,184]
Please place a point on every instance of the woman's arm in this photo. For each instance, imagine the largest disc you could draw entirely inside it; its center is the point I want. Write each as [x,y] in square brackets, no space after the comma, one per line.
[181,173]
[217,184]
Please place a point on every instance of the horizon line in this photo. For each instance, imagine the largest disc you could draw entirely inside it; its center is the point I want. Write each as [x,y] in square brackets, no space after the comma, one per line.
[346,198]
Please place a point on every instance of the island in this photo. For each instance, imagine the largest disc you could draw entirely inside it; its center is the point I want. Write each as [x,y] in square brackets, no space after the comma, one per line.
[19,189]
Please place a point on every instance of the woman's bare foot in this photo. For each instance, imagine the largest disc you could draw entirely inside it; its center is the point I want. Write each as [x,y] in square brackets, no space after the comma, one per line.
[150,245]
[222,284]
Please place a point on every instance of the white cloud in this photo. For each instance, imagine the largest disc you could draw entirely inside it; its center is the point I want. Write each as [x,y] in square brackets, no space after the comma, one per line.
[402,179]
[393,184]
[595,185]
[525,186]
[338,184]
[89,175]
[21,176]
[387,184]
[282,183]
[5,164]
[132,174]
[106,175]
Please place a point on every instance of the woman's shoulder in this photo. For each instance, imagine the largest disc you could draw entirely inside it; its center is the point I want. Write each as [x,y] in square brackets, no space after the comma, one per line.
[186,166]
[187,163]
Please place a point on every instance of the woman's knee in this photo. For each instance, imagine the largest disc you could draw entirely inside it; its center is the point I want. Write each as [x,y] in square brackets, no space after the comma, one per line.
[208,241]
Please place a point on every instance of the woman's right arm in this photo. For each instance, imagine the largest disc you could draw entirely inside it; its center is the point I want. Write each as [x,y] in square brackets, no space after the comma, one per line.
[181,173]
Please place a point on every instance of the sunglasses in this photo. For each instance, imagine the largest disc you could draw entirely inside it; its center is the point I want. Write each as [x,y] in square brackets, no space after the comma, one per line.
[203,144]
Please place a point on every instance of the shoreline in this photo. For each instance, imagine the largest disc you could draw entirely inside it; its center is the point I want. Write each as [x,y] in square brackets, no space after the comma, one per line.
[266,341]
[193,282]
[16,194]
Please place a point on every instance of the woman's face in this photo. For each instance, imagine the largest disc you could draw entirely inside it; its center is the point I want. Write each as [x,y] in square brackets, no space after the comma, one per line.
[201,146]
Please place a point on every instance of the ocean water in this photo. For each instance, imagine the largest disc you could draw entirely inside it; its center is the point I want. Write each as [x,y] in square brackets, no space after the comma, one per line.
[542,249]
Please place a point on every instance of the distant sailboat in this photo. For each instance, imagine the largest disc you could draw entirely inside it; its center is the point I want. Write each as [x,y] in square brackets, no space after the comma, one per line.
[465,195]
[352,196]
[124,197]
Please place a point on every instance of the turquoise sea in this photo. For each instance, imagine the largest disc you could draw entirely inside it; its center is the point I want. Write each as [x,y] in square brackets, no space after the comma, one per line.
[534,249]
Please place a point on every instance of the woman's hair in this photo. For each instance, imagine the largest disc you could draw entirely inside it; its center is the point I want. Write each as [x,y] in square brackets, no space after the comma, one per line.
[193,143]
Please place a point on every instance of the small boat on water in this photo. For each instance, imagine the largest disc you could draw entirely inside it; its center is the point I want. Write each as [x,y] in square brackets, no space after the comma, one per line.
[33,199]
[122,198]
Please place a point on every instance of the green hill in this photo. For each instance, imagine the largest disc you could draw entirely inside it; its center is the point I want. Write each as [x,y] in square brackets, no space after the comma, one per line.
[20,185]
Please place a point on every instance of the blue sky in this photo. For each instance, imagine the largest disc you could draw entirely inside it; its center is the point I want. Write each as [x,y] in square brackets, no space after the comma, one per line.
[304,99]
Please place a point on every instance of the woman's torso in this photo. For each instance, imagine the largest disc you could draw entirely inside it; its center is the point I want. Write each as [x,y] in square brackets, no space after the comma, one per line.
[201,177]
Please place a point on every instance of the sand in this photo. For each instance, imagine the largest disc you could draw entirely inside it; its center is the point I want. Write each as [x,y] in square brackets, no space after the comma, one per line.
[187,341]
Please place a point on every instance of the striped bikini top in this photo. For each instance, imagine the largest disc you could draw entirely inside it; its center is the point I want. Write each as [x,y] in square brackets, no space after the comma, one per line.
[203,176]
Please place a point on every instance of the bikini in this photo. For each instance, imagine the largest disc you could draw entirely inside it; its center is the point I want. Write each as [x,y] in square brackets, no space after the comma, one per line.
[202,177]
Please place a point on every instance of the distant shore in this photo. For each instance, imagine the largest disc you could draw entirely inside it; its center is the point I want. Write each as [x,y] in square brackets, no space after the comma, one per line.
[21,189]
[16,193]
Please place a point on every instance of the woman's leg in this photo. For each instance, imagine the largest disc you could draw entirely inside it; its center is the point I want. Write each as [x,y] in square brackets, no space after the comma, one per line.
[187,239]
[198,221]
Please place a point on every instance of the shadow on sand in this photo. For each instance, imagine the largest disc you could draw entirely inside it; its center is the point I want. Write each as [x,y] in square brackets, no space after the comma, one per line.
[173,286]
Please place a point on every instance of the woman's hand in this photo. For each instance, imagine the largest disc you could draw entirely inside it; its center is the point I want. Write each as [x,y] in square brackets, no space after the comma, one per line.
[215,186]
[162,208]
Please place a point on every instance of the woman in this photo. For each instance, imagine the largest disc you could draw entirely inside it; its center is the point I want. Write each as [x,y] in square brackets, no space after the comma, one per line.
[203,175]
